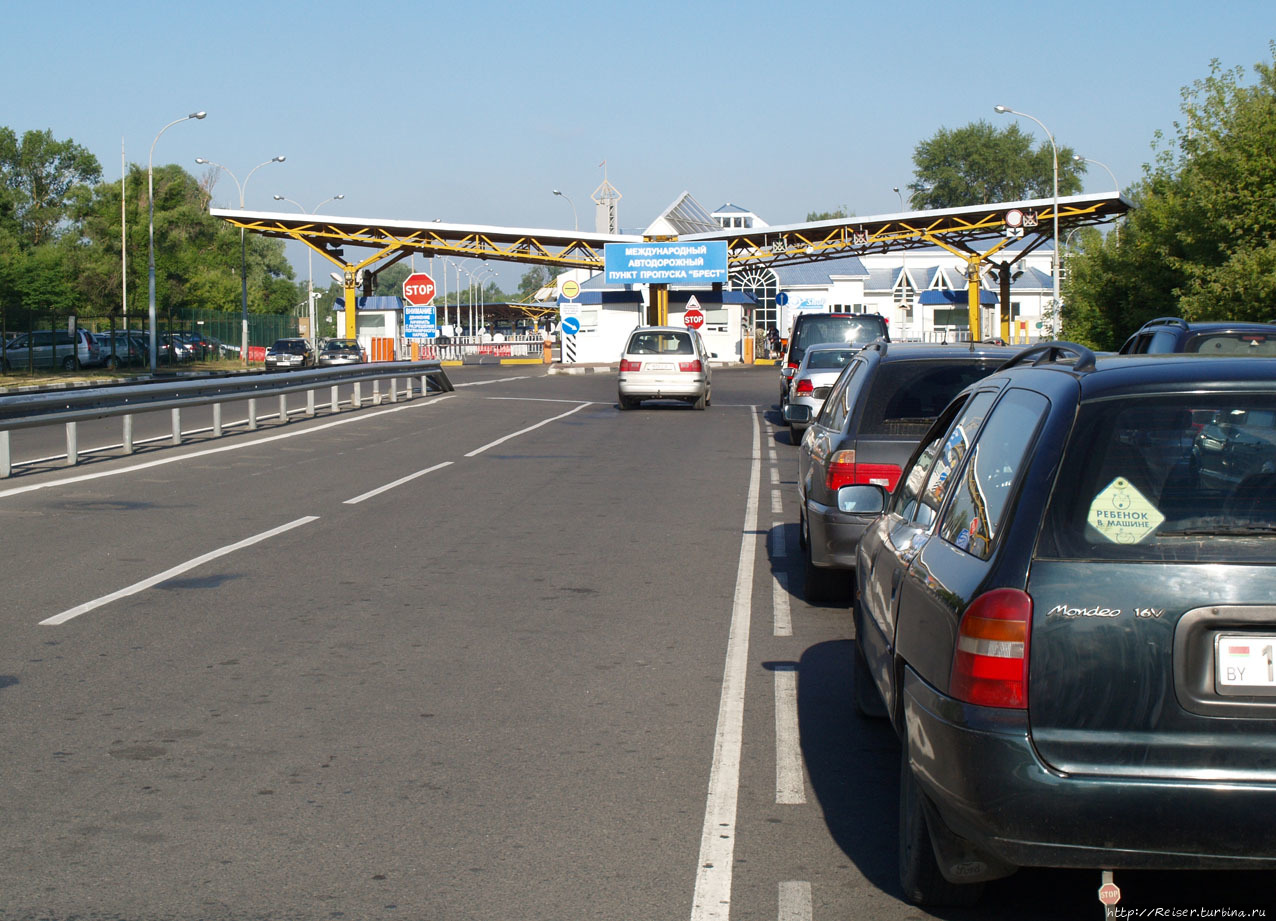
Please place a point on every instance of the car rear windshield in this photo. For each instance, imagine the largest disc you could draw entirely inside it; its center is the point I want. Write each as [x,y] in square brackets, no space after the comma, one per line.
[858,330]
[828,359]
[660,343]
[906,396]
[351,347]
[1183,478]
[1257,344]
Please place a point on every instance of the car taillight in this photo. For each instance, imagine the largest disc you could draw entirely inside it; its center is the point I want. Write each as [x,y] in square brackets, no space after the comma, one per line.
[990,663]
[843,471]
[805,386]
[690,366]
[627,365]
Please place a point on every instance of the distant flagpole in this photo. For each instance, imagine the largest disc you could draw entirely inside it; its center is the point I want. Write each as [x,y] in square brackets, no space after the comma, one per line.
[123,235]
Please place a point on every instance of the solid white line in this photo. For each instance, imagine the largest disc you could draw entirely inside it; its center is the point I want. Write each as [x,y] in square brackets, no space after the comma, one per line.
[530,428]
[175,571]
[399,482]
[84,477]
[790,788]
[712,898]
[780,605]
[795,901]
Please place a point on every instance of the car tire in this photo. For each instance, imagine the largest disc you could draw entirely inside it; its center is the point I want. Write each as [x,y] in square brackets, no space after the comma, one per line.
[700,402]
[868,701]
[112,362]
[822,585]
[627,402]
[919,874]
[795,435]
[68,363]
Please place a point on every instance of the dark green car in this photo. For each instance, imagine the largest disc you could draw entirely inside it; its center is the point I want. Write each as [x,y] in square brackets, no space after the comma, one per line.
[1068,611]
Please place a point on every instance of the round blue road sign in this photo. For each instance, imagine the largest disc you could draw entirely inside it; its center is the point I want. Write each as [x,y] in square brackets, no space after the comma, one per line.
[571,325]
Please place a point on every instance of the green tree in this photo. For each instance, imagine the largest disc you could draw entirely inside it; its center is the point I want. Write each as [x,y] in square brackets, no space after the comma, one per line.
[1201,240]
[828,215]
[980,163]
[44,178]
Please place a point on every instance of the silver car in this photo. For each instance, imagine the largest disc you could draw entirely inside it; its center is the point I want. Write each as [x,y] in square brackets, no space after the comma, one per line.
[811,383]
[664,363]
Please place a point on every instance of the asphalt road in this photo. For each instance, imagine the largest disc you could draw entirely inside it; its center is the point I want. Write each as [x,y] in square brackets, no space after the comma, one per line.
[506,653]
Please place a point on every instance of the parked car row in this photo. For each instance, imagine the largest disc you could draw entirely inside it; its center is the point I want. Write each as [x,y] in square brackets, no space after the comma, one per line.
[1063,567]
[50,349]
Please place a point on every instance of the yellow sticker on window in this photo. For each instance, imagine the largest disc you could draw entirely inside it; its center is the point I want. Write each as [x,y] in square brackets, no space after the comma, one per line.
[1122,514]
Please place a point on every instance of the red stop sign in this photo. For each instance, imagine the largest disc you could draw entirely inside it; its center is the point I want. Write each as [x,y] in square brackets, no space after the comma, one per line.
[418,289]
[1109,894]
[693,318]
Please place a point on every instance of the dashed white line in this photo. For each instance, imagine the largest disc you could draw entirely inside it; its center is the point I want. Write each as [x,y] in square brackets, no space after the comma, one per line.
[175,571]
[399,482]
[530,428]
[780,605]
[790,787]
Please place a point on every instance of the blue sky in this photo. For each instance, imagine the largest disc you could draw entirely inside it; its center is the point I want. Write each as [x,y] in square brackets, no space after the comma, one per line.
[475,111]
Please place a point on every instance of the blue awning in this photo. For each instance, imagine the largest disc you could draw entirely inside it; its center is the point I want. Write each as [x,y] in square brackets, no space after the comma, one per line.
[948,298]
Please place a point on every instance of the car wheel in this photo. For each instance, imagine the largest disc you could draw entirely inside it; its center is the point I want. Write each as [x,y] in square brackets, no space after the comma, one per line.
[822,585]
[700,402]
[868,701]
[112,362]
[625,402]
[68,363]
[919,874]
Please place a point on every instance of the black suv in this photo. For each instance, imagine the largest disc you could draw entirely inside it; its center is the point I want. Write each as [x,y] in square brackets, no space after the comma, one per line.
[1068,612]
[884,400]
[813,328]
[1174,334]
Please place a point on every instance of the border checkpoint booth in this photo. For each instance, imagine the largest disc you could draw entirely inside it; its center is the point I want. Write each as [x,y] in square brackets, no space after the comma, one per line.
[378,324]
[607,314]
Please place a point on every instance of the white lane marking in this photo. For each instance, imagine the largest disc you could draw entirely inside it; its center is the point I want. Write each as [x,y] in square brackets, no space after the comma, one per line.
[531,400]
[780,605]
[795,901]
[530,428]
[777,502]
[790,787]
[84,477]
[499,380]
[775,476]
[712,898]
[399,482]
[175,571]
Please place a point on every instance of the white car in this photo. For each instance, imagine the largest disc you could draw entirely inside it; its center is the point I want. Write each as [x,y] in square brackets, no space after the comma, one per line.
[664,363]
[814,378]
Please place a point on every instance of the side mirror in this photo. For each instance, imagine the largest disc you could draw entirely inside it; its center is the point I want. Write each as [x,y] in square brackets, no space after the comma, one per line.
[796,412]
[861,499]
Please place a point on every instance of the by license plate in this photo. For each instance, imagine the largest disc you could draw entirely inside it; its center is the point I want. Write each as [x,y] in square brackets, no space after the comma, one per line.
[659,366]
[1245,661]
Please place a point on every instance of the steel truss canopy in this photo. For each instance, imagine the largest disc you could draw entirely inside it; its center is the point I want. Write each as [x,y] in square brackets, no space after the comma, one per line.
[956,228]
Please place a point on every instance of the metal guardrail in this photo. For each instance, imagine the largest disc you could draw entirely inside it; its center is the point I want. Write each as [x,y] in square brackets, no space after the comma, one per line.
[69,407]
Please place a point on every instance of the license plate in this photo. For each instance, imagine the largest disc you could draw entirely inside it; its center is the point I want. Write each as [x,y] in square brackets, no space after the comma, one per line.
[659,366]
[1245,661]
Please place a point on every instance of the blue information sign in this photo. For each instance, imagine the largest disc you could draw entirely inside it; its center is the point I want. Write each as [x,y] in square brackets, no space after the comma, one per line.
[697,262]
[419,322]
[571,325]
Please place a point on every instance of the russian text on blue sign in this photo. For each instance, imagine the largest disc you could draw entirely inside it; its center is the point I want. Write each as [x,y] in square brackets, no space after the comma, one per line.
[419,322]
[665,263]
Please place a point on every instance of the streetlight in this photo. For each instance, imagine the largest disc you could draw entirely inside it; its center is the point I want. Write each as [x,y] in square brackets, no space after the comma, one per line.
[310,282]
[575,223]
[243,246]
[1005,110]
[1080,159]
[896,190]
[150,195]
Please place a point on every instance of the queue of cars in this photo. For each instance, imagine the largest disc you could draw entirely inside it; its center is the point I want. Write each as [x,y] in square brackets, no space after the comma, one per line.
[1063,605]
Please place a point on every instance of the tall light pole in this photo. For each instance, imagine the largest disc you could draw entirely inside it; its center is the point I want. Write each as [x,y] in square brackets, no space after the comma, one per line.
[310,275]
[1080,159]
[896,190]
[575,223]
[243,246]
[150,197]
[1058,309]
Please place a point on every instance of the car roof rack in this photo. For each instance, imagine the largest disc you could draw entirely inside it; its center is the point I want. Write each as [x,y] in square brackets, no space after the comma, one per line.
[1166,321]
[1048,352]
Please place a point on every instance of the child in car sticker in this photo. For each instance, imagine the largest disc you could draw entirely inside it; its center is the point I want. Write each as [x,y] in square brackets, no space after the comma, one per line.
[1122,514]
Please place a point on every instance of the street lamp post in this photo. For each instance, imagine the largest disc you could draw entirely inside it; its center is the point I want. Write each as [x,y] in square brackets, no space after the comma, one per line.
[310,280]
[575,223]
[1080,159]
[150,197]
[896,190]
[243,245]
[1058,309]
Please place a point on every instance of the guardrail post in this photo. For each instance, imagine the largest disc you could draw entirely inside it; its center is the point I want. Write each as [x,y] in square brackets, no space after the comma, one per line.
[283,407]
[394,387]
[177,426]
[310,402]
[357,401]
[425,385]
[72,445]
[252,414]
[335,405]
[376,393]
[6,460]
[128,434]
[217,420]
